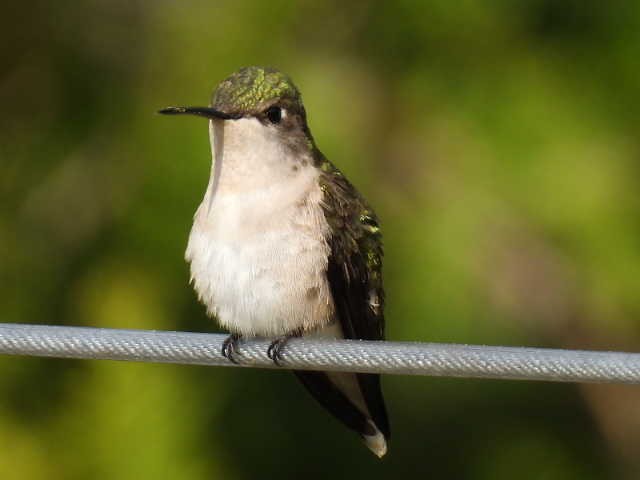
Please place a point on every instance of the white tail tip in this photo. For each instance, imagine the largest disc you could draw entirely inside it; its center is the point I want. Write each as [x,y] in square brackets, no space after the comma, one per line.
[376,443]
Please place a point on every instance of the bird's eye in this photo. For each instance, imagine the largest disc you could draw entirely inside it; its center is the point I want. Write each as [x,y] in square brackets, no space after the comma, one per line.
[274,114]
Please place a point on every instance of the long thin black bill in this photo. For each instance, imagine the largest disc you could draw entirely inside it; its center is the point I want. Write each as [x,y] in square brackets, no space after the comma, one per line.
[206,112]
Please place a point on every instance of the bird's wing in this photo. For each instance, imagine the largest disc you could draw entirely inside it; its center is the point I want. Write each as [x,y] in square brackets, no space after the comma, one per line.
[354,273]
[355,263]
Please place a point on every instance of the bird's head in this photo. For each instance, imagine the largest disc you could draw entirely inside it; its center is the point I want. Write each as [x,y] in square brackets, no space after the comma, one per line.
[265,99]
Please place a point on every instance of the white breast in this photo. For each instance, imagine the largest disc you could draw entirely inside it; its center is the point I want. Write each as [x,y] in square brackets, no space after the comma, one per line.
[258,249]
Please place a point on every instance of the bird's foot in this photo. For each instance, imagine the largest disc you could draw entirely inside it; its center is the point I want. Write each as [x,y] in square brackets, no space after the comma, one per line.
[274,352]
[229,347]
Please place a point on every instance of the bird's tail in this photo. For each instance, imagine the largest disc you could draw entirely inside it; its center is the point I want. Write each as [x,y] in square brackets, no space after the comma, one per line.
[356,400]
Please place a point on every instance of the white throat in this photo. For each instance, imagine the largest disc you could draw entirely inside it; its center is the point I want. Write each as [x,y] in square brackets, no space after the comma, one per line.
[248,155]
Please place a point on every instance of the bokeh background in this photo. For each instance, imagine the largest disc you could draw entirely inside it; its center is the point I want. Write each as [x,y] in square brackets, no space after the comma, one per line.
[498,142]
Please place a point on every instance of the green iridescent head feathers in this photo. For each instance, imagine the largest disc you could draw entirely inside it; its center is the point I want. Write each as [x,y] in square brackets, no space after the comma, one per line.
[252,89]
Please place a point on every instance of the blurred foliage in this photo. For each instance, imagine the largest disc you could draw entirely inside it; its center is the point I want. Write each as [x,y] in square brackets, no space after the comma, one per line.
[498,142]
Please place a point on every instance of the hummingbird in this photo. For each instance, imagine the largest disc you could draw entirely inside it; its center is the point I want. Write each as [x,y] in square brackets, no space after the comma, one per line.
[283,245]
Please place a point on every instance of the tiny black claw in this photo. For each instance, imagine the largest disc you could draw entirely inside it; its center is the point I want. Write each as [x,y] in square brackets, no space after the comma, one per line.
[229,347]
[274,352]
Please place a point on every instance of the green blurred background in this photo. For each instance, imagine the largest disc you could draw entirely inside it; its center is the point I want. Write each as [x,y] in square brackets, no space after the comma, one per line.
[497,141]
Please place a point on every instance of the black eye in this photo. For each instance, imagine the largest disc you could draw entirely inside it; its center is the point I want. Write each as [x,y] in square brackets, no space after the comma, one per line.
[274,114]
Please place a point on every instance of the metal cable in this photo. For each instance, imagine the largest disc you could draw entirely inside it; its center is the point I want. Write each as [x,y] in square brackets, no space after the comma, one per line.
[408,358]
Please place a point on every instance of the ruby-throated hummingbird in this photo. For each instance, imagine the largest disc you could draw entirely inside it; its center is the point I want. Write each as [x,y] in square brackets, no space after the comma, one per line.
[283,245]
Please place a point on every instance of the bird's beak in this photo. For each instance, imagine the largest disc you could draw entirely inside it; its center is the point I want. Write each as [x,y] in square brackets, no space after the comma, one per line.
[206,112]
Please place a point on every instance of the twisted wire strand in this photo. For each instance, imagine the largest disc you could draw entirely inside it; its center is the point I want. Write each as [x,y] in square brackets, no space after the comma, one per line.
[405,358]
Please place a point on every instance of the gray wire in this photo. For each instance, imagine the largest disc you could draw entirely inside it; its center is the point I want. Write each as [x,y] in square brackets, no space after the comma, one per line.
[409,358]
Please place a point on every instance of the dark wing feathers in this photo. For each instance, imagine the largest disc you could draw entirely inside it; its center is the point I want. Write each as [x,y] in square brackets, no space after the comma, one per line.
[355,274]
[355,263]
